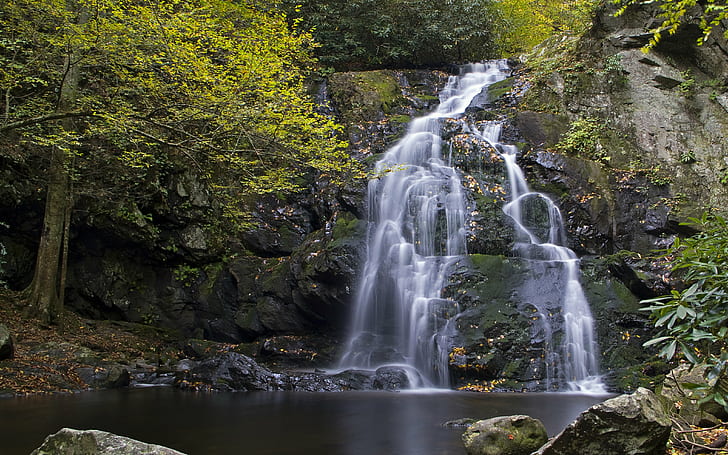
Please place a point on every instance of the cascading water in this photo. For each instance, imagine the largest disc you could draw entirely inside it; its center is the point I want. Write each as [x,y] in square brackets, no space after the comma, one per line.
[416,234]
[539,240]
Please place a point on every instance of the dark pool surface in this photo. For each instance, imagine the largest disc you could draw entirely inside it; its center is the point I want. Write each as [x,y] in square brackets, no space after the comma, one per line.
[278,422]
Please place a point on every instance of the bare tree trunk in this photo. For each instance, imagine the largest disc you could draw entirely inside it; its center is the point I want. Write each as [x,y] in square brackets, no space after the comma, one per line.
[45,294]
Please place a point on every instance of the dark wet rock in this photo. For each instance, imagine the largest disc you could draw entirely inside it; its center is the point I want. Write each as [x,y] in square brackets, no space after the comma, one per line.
[105,377]
[391,378]
[506,435]
[633,424]
[621,328]
[338,382]
[493,341]
[94,442]
[231,372]
[325,268]
[202,349]
[7,347]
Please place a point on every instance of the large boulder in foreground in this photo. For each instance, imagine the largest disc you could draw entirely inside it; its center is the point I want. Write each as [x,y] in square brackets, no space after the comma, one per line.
[633,424]
[7,348]
[94,442]
[506,435]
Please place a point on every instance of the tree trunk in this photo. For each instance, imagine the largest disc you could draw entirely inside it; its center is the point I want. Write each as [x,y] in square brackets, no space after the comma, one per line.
[44,296]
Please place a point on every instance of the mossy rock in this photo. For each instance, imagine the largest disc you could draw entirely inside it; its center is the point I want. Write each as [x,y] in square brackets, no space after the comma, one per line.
[498,89]
[365,96]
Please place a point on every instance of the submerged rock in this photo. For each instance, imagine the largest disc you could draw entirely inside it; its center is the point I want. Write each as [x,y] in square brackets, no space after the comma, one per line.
[94,442]
[7,348]
[633,424]
[506,435]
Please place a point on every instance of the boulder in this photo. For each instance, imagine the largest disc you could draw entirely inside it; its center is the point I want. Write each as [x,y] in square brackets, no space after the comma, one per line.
[231,371]
[7,349]
[106,377]
[684,400]
[391,378]
[94,442]
[506,435]
[633,424]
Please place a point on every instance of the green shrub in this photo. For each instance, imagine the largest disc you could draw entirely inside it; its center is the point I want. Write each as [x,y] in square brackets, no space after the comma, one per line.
[693,322]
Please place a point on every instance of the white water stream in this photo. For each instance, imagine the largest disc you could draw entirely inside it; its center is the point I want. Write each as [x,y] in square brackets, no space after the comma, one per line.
[416,233]
[540,240]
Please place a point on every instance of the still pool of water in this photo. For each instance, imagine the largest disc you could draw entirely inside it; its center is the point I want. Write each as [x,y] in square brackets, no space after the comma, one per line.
[346,423]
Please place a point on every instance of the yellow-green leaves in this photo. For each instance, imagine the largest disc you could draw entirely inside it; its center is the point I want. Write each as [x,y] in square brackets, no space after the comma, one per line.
[218,82]
[675,13]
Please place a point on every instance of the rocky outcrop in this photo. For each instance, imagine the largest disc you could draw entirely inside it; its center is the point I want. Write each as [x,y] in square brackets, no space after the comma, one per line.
[232,371]
[508,435]
[501,345]
[659,145]
[94,442]
[7,347]
[633,424]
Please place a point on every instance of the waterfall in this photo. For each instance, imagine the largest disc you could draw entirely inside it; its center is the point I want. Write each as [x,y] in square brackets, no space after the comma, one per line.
[416,233]
[540,241]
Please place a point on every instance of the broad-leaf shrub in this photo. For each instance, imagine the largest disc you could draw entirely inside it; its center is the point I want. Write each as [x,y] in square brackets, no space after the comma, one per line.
[693,322]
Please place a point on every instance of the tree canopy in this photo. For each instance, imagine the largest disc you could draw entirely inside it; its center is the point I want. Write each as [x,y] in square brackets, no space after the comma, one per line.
[218,81]
[121,88]
[362,34]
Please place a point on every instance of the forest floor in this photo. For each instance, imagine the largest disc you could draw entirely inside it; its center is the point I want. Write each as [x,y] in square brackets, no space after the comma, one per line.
[47,359]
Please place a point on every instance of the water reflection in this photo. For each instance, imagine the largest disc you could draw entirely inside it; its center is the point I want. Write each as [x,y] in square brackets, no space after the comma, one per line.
[348,423]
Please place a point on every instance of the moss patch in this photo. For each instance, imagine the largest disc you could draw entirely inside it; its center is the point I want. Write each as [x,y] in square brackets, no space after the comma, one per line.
[364,96]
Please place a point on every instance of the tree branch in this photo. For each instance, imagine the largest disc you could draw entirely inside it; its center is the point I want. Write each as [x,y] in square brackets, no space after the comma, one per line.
[44,118]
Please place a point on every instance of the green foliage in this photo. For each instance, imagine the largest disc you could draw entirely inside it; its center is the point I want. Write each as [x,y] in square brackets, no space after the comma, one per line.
[687,157]
[723,179]
[214,83]
[693,322]
[687,86]
[582,139]
[676,12]
[613,63]
[522,24]
[364,34]
[186,274]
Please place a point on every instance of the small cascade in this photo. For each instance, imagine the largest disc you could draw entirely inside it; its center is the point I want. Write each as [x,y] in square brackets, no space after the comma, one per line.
[554,267]
[416,234]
